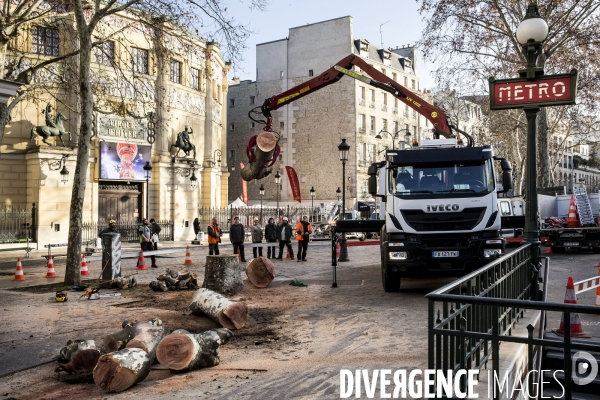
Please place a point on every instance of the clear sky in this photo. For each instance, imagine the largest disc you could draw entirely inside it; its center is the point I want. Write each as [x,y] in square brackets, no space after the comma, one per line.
[397,22]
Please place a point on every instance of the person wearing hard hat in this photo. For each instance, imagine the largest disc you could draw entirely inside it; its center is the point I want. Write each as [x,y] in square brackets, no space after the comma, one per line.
[112,228]
[303,231]
[256,232]
[284,234]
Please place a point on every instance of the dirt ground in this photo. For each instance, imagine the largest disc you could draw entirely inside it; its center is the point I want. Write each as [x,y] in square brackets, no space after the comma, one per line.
[295,343]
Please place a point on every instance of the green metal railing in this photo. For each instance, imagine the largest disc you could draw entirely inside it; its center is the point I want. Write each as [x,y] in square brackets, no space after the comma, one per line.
[470,317]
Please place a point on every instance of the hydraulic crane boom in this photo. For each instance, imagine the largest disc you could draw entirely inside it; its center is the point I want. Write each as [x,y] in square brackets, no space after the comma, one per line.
[376,78]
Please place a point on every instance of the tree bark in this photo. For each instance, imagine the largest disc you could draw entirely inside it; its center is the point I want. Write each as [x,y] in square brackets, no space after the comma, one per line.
[222,274]
[231,315]
[78,356]
[185,351]
[147,335]
[263,151]
[122,369]
[117,341]
[260,272]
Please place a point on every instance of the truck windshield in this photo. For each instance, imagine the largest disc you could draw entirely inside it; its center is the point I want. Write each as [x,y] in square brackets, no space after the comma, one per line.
[443,178]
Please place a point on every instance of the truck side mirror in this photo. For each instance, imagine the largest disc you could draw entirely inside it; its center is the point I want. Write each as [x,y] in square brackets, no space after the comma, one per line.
[373,185]
[507,180]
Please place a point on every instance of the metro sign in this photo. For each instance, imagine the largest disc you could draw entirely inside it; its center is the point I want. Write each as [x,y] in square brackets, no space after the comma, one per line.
[546,90]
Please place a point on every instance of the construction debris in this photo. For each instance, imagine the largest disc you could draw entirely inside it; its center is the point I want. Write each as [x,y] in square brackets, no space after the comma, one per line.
[175,280]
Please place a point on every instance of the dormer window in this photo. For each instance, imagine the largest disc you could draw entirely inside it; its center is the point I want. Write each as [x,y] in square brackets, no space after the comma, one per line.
[407,64]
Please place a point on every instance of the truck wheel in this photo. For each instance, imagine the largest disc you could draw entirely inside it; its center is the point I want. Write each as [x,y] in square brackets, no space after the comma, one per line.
[390,283]
[558,249]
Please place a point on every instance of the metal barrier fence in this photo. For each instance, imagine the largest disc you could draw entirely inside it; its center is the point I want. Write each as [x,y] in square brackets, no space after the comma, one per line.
[246,214]
[129,230]
[15,224]
[470,317]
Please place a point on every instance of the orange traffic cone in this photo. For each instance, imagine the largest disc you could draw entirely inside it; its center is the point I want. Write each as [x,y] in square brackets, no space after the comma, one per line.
[576,328]
[549,250]
[598,292]
[84,269]
[142,262]
[188,256]
[51,273]
[572,219]
[19,276]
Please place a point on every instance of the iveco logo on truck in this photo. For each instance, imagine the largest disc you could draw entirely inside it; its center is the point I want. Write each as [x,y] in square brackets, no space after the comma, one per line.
[442,207]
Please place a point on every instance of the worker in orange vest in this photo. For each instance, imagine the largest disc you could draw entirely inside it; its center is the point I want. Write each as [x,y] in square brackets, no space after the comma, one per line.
[214,237]
[303,231]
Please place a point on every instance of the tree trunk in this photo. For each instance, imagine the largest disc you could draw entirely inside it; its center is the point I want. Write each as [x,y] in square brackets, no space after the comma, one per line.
[263,151]
[222,274]
[231,315]
[260,272]
[78,356]
[147,335]
[185,351]
[544,146]
[118,340]
[122,369]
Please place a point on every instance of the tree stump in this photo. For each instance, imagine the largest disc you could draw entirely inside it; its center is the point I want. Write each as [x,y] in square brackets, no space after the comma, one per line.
[78,356]
[260,272]
[122,369]
[185,351]
[263,149]
[230,314]
[222,274]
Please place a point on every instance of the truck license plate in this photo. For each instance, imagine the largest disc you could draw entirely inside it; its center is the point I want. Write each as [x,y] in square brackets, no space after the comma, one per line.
[567,244]
[445,254]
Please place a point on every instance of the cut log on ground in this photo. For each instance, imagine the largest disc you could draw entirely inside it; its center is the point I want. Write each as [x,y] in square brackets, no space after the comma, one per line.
[147,335]
[174,280]
[122,369]
[263,150]
[158,286]
[118,340]
[230,314]
[222,274]
[78,356]
[260,272]
[185,351]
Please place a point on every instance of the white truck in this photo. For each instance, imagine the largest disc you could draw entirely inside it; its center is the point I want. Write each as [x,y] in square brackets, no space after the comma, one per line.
[441,210]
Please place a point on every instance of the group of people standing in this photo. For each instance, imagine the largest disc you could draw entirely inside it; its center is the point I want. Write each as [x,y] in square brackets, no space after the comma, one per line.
[272,233]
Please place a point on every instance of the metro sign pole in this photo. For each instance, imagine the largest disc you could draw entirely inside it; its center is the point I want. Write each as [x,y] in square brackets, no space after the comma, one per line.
[531,91]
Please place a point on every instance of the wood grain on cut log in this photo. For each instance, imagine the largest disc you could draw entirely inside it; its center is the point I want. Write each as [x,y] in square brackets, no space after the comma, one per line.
[260,272]
[147,335]
[263,151]
[78,356]
[185,351]
[222,274]
[230,314]
[118,340]
[120,370]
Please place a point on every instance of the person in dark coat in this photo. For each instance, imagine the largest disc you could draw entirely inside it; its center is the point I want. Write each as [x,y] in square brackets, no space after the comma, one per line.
[236,236]
[271,237]
[284,235]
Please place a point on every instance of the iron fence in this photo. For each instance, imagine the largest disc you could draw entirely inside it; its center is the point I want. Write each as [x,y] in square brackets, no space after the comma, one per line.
[16,224]
[129,230]
[470,317]
[246,214]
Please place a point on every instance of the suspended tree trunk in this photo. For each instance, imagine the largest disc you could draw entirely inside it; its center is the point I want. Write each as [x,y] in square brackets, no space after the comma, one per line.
[222,274]
[260,272]
[263,151]
[78,356]
[122,369]
[185,351]
[117,341]
[231,315]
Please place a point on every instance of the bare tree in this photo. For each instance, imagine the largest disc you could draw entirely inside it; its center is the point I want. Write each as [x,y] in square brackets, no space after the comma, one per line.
[477,40]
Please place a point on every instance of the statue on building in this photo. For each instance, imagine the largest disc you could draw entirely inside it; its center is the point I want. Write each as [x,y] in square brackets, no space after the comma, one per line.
[184,143]
[54,127]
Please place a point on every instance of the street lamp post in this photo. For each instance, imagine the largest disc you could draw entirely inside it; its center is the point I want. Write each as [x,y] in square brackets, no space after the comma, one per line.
[277,182]
[261,190]
[312,203]
[338,192]
[394,136]
[344,148]
[148,173]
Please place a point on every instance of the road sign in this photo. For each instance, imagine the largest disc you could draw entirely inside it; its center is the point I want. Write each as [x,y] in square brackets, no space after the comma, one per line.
[546,90]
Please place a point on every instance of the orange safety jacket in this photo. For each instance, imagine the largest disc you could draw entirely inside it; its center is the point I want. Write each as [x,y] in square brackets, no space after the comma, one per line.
[300,227]
[217,231]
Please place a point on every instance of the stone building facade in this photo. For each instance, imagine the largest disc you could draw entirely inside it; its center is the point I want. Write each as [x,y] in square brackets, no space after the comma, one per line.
[160,87]
[312,127]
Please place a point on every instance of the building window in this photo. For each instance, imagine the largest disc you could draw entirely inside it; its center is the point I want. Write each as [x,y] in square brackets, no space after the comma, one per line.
[231,127]
[396,126]
[384,127]
[104,53]
[44,41]
[405,81]
[372,125]
[413,83]
[396,102]
[281,74]
[385,99]
[281,125]
[139,60]
[231,103]
[372,95]
[371,153]
[415,130]
[363,122]
[252,99]
[383,71]
[310,72]
[362,151]
[175,71]
[362,92]
[195,75]
[394,76]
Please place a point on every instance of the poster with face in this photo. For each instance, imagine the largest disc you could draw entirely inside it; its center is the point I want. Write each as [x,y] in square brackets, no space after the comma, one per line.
[123,161]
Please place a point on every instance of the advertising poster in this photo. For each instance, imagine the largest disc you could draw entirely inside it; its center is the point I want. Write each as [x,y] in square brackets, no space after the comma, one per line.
[123,161]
